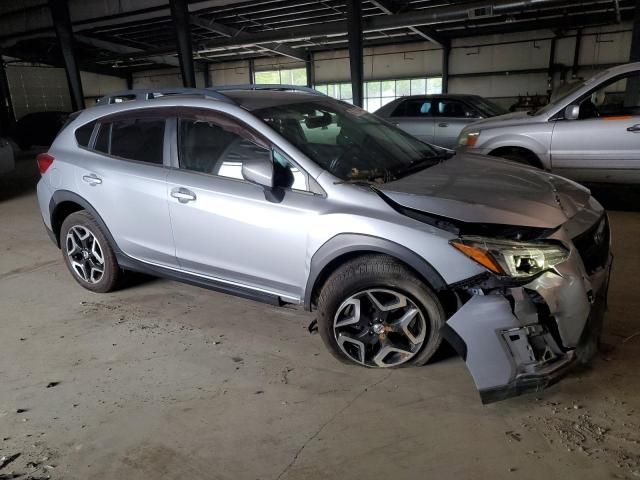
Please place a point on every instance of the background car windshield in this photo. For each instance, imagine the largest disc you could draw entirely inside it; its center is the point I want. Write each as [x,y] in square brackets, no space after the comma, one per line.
[490,108]
[346,140]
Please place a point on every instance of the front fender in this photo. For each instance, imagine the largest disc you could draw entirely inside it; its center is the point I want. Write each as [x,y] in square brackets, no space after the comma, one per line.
[346,243]
[539,146]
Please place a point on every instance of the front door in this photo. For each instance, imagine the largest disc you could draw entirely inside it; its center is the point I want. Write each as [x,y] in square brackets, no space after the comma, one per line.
[603,144]
[414,117]
[229,229]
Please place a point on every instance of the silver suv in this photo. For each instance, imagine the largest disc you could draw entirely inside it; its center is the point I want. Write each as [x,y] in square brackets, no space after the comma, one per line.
[590,134]
[288,196]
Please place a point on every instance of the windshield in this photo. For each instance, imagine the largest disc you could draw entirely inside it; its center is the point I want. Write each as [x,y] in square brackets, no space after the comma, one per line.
[349,142]
[558,99]
[490,108]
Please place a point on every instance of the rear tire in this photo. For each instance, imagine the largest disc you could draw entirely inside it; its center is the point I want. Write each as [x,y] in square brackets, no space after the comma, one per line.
[374,311]
[87,253]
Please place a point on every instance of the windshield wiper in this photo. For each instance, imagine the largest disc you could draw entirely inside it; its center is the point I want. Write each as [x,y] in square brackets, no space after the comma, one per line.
[424,162]
[357,181]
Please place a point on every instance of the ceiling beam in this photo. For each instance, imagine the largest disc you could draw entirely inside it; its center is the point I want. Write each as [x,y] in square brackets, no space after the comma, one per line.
[233,33]
[125,49]
[428,33]
[431,16]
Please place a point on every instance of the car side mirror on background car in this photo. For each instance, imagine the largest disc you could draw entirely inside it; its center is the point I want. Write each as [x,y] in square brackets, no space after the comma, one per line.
[258,170]
[572,112]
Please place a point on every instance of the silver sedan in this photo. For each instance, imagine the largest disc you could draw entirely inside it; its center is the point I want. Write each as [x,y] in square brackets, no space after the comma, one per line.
[438,119]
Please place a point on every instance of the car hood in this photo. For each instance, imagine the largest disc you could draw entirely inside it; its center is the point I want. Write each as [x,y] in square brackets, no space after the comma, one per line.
[479,189]
[515,118]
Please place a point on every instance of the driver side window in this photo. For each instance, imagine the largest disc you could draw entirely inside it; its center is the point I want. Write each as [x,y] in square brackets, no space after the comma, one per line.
[221,148]
[619,96]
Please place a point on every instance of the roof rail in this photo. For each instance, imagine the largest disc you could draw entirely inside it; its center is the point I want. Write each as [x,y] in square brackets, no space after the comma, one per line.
[213,92]
[268,86]
[148,94]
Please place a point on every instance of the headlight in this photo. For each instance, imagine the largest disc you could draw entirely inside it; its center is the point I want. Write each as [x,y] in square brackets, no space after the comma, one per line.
[510,258]
[468,139]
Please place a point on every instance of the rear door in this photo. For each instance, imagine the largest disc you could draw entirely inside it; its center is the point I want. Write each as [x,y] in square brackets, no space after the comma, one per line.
[603,144]
[450,117]
[413,115]
[123,176]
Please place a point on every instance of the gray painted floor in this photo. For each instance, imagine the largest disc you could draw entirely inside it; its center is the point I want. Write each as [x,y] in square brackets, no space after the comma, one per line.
[164,380]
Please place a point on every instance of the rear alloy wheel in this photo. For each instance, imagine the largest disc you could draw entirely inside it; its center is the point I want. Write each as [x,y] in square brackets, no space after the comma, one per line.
[379,328]
[87,253]
[375,312]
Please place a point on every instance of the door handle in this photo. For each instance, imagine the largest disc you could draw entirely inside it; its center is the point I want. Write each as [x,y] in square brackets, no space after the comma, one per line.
[634,128]
[92,179]
[183,195]
[443,124]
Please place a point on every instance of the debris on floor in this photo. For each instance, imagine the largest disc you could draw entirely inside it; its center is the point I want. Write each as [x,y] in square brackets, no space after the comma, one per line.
[606,435]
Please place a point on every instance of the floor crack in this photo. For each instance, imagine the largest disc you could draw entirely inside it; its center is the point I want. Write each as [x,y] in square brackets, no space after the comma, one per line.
[328,422]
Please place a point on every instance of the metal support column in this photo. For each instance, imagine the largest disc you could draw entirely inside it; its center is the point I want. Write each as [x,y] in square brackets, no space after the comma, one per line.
[632,95]
[551,70]
[634,54]
[7,120]
[354,27]
[252,71]
[206,73]
[180,14]
[64,32]
[576,54]
[311,70]
[446,52]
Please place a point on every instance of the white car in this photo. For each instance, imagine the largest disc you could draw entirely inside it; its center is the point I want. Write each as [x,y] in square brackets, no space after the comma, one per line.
[590,134]
[7,162]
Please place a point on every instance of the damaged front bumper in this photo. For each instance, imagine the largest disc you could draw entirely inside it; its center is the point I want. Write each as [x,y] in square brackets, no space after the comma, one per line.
[520,339]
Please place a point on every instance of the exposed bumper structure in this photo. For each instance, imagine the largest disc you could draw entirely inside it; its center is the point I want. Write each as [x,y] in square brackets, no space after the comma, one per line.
[521,339]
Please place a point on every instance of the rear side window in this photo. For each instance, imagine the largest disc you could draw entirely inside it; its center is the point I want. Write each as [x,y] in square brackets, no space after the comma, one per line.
[413,108]
[83,134]
[452,109]
[139,139]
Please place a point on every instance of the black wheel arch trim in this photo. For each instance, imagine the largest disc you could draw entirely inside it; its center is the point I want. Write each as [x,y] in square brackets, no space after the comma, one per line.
[61,196]
[346,243]
[128,263]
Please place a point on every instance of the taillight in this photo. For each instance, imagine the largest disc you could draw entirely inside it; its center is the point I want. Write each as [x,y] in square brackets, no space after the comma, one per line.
[44,162]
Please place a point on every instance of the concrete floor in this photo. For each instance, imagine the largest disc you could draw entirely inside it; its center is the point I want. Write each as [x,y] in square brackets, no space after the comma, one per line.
[164,380]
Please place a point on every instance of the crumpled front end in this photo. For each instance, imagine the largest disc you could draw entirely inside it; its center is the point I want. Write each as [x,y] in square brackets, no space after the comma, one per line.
[521,338]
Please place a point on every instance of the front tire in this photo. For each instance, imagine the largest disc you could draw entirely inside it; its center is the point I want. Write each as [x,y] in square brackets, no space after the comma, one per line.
[87,253]
[375,312]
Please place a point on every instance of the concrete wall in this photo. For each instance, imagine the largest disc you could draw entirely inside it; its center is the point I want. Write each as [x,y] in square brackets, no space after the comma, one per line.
[229,73]
[163,78]
[42,88]
[501,67]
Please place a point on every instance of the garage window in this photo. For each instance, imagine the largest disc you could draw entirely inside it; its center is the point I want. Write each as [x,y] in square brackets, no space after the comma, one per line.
[286,76]
[378,93]
[140,139]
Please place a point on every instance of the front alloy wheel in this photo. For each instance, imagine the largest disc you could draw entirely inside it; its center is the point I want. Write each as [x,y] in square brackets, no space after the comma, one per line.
[375,312]
[379,328]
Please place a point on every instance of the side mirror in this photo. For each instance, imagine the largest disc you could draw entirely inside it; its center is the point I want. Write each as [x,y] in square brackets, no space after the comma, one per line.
[572,112]
[259,170]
